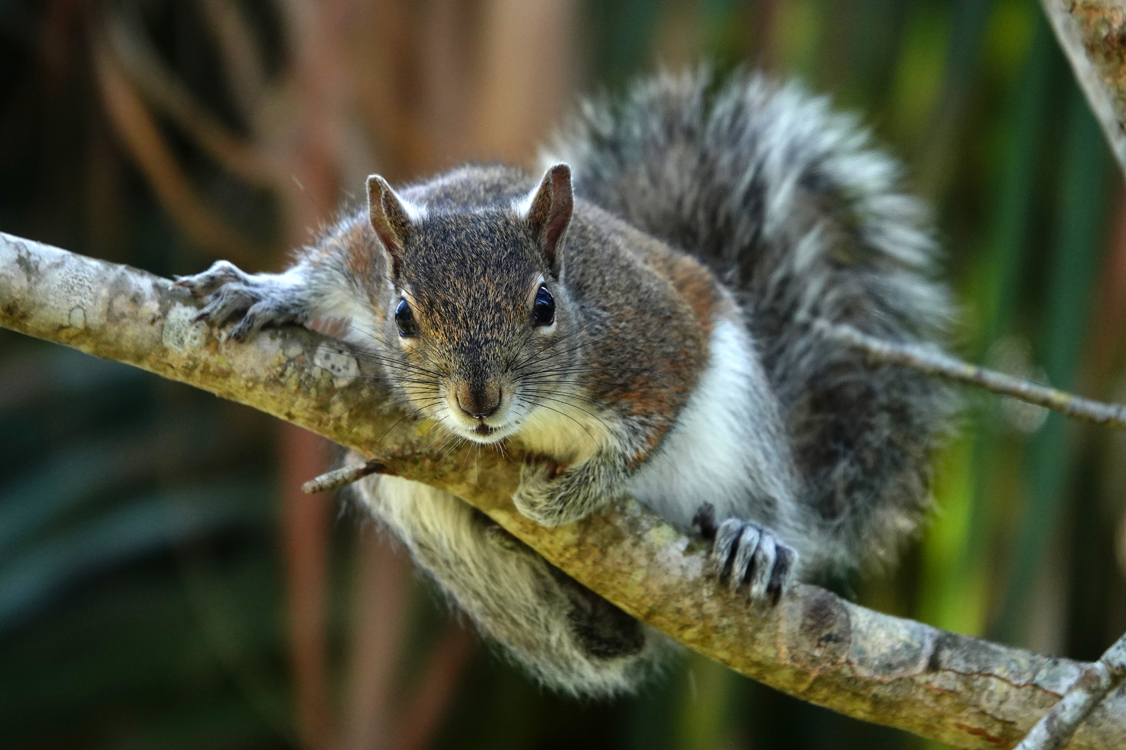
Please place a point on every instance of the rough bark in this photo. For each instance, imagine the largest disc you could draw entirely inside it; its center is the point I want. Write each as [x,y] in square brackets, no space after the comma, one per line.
[1092,34]
[955,689]
[1058,726]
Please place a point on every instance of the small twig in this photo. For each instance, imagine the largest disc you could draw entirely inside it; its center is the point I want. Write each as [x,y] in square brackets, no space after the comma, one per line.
[1058,725]
[930,362]
[342,477]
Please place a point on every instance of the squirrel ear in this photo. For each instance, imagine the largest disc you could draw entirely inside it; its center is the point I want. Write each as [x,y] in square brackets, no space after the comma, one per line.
[389,218]
[549,212]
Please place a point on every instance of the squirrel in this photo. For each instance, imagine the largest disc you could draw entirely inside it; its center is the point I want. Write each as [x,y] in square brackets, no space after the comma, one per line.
[642,317]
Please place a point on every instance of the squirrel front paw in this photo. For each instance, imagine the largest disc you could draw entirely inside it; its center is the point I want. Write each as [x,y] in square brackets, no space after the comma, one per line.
[538,496]
[553,495]
[228,291]
[749,556]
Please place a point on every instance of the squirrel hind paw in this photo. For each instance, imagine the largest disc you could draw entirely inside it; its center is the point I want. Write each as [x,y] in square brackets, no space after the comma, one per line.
[751,557]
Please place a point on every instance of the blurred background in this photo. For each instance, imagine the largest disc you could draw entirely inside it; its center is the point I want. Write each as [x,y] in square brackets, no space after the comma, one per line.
[164,584]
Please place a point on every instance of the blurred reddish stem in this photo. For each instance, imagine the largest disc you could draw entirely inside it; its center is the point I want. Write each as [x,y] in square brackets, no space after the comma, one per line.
[379,611]
[305,538]
[162,90]
[141,135]
[422,718]
[1111,311]
[242,53]
[526,78]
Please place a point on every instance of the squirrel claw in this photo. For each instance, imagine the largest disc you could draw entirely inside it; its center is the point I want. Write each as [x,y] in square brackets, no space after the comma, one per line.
[224,303]
[705,520]
[749,556]
[228,293]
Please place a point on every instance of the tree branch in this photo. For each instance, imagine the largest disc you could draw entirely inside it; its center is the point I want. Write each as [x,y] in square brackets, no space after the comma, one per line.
[1096,683]
[1092,34]
[946,687]
[935,363]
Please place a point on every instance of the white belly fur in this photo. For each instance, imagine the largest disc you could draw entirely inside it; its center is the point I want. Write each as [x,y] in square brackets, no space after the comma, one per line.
[727,447]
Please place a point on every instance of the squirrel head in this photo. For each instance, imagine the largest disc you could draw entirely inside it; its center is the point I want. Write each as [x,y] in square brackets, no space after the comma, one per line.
[479,328]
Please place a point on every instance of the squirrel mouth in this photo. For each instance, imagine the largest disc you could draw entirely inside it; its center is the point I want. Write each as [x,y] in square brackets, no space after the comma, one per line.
[483,430]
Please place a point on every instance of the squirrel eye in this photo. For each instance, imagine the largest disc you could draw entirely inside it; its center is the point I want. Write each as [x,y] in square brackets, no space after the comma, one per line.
[405,319]
[543,309]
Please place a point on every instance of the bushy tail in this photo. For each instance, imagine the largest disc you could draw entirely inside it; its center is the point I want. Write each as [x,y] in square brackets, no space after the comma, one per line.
[787,202]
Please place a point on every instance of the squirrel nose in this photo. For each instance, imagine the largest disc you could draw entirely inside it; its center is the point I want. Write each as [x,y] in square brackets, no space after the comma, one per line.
[479,403]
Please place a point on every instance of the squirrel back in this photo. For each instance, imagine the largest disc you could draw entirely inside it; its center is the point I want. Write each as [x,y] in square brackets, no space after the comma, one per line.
[786,202]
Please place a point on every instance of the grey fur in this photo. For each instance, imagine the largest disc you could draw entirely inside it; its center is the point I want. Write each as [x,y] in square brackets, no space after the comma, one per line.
[653,379]
[787,202]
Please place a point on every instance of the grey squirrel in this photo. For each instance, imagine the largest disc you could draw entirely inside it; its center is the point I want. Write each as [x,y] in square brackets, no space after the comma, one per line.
[642,318]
